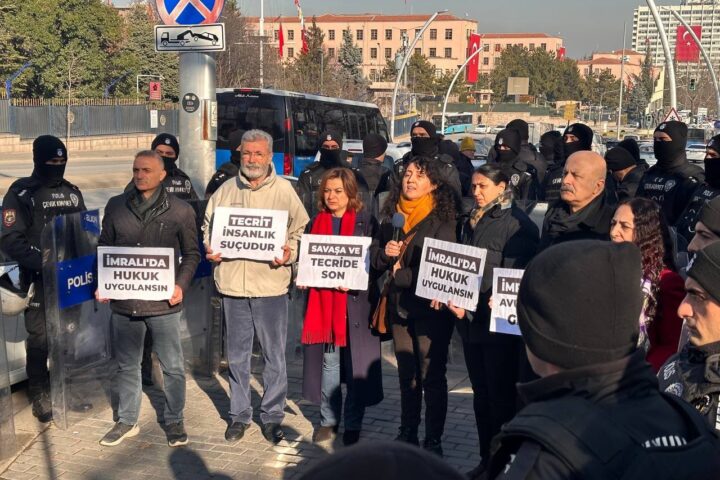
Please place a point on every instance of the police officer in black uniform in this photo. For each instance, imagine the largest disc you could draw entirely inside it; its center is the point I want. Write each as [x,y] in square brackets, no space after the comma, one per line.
[694,373]
[28,206]
[331,156]
[625,171]
[522,175]
[672,180]
[577,137]
[705,192]
[176,182]
[229,169]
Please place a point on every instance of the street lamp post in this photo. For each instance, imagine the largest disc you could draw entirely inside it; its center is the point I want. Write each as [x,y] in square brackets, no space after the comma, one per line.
[666,50]
[398,77]
[452,84]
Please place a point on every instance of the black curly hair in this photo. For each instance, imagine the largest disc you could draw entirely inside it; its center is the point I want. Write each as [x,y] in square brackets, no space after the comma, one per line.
[447,203]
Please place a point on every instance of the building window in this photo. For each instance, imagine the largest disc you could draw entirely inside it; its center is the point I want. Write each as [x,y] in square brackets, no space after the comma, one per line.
[373,53]
[486,47]
[359,34]
[388,53]
[291,35]
[417,31]
[498,47]
[433,53]
[486,61]
[373,73]
[388,34]
[373,34]
[331,34]
[543,46]
[448,34]
[508,45]
[291,52]
[403,32]
[276,35]
[418,51]
[532,46]
[331,52]
[433,34]
[448,53]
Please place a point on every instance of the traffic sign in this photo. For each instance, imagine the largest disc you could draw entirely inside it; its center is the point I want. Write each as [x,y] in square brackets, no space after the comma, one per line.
[189,12]
[672,116]
[193,38]
[569,112]
[155,91]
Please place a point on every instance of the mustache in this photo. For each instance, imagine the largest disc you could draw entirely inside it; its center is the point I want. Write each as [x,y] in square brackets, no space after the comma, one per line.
[567,188]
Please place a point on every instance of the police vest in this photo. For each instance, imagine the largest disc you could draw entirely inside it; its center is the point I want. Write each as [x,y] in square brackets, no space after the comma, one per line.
[686,225]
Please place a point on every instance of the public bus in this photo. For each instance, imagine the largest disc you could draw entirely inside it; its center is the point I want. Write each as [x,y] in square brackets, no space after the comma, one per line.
[454,122]
[295,121]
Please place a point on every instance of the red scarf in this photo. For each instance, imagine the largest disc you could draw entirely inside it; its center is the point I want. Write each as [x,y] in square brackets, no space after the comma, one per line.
[326,314]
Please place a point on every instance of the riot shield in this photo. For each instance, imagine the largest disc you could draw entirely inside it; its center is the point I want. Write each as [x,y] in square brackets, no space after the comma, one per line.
[8,444]
[79,331]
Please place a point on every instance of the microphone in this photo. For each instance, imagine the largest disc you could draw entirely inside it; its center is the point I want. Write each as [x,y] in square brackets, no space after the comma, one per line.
[398,222]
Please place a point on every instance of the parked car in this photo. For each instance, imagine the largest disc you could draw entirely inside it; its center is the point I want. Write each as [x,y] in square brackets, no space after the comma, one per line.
[481,128]
[695,152]
[497,129]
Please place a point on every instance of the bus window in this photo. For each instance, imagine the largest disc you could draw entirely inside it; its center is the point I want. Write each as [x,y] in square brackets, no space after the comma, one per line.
[362,125]
[249,110]
[353,131]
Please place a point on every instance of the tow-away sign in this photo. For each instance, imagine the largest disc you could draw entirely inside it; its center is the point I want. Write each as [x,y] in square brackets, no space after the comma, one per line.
[190,38]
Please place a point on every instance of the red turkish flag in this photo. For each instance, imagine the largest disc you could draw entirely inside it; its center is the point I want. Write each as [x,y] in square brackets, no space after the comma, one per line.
[686,50]
[472,67]
[304,41]
[561,53]
[281,41]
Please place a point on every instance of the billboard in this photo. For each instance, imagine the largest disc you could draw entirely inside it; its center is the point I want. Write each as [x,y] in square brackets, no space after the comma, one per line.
[518,85]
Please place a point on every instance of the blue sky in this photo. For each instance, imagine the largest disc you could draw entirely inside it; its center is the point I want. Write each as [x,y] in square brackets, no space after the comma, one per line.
[585,25]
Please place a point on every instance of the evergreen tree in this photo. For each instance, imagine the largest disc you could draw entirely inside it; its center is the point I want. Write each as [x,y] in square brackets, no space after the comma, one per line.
[349,57]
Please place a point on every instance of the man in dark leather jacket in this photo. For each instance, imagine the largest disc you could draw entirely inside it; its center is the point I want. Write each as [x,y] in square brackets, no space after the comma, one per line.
[147,216]
[694,373]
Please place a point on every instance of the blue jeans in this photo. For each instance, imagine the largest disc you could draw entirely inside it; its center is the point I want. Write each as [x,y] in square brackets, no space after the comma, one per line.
[268,317]
[129,334]
[331,394]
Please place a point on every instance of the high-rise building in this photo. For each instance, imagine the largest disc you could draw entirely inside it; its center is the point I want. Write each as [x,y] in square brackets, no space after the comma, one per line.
[704,14]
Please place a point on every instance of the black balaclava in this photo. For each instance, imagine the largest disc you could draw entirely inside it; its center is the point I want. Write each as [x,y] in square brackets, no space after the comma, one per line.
[331,158]
[522,128]
[450,148]
[671,154]
[585,138]
[425,146]
[234,142]
[172,142]
[551,147]
[712,165]
[509,138]
[46,148]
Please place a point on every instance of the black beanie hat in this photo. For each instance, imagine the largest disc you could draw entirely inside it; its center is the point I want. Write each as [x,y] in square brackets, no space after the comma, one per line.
[550,137]
[374,145]
[617,158]
[510,138]
[429,127]
[714,143]
[710,215]
[579,302]
[522,128]
[583,133]
[235,139]
[448,147]
[331,135]
[167,139]
[47,147]
[678,131]
[631,145]
[705,269]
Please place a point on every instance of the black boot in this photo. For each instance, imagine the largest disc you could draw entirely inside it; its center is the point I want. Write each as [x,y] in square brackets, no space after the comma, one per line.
[408,435]
[433,445]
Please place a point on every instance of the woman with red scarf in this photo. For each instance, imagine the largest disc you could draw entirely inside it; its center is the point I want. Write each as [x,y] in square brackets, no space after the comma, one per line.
[339,345]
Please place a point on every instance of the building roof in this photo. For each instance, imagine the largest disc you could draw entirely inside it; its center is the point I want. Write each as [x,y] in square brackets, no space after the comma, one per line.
[516,35]
[619,52]
[363,17]
[605,61]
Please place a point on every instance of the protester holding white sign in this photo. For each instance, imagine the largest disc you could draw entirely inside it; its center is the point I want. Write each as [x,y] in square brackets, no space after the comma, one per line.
[493,360]
[255,289]
[427,208]
[250,233]
[148,252]
[336,328]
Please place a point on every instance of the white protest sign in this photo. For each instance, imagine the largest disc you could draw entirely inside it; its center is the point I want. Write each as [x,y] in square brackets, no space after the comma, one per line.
[506,284]
[250,233]
[136,273]
[451,272]
[331,261]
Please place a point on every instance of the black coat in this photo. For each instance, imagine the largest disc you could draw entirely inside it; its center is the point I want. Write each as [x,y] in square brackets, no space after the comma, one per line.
[403,304]
[170,224]
[226,171]
[364,368]
[511,240]
[590,223]
[672,188]
[686,223]
[628,187]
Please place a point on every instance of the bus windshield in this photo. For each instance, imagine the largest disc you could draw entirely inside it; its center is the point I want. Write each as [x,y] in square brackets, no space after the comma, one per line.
[247,109]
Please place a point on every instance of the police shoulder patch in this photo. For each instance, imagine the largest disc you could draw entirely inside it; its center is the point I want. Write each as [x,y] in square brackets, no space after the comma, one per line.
[9,217]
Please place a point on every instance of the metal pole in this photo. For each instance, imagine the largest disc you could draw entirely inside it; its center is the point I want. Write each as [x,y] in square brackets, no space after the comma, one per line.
[705,56]
[622,80]
[452,84]
[197,77]
[262,32]
[137,88]
[666,50]
[398,77]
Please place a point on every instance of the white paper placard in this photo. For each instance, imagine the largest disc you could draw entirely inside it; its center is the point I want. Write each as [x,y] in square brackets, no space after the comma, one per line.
[251,233]
[451,272]
[331,261]
[136,273]
[506,284]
